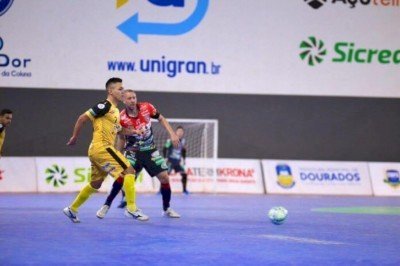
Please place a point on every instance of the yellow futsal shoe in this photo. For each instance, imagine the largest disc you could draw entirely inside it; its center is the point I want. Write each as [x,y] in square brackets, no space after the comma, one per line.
[71,215]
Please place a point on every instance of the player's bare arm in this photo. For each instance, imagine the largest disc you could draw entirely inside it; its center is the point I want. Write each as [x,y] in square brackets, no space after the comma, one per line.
[120,142]
[174,138]
[82,119]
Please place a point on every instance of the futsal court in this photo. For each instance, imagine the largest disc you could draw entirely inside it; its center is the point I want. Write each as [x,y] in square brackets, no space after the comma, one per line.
[214,230]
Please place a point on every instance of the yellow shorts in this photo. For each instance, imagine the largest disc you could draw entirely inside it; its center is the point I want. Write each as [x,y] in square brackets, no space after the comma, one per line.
[105,161]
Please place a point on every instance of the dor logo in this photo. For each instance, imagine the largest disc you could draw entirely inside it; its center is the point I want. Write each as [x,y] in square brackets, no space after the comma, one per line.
[5,5]
[56,175]
[132,27]
[15,63]
[284,175]
[392,178]
[313,51]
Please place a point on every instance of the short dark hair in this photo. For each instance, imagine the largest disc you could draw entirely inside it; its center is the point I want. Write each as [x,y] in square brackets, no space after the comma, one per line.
[5,111]
[112,80]
[179,127]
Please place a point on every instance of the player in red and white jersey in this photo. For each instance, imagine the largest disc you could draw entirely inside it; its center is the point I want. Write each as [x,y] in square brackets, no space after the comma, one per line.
[141,150]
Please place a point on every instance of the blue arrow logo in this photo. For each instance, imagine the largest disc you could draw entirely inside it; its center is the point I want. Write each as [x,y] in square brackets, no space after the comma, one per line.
[132,27]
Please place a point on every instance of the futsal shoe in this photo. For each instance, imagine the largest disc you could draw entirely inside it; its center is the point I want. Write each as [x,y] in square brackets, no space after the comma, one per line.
[122,204]
[137,215]
[171,213]
[186,192]
[71,215]
[101,213]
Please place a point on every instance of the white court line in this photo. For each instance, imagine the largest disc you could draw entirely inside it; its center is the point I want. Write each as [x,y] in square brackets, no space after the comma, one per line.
[301,240]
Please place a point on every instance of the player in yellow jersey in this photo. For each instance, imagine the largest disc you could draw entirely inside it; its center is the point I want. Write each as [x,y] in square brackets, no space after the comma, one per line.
[5,120]
[104,158]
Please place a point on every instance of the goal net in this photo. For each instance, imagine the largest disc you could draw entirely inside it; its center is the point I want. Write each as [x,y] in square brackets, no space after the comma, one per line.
[201,138]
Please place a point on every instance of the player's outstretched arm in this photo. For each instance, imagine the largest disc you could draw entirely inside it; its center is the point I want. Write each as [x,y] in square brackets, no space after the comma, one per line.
[167,126]
[82,119]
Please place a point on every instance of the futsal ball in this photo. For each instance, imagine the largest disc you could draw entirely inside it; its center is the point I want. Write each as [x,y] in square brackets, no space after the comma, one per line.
[277,215]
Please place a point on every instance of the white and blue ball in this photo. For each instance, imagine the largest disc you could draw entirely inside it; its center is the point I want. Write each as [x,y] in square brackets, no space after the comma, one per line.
[277,215]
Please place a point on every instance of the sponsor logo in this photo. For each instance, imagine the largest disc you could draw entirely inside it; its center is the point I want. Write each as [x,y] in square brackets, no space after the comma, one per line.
[56,175]
[392,178]
[14,66]
[284,176]
[168,67]
[5,6]
[331,176]
[316,4]
[133,26]
[313,52]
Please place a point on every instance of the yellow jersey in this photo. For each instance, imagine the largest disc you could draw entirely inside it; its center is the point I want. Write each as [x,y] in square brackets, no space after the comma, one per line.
[2,136]
[105,119]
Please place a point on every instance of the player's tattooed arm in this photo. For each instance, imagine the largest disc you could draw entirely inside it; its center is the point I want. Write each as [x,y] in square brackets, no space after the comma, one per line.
[82,119]
[174,138]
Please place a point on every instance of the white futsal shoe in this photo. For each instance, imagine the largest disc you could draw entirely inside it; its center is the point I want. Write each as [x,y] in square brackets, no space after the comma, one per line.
[71,215]
[137,215]
[101,213]
[171,213]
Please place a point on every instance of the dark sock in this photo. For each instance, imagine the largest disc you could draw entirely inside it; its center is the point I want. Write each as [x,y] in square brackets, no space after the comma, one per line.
[116,188]
[166,195]
[184,181]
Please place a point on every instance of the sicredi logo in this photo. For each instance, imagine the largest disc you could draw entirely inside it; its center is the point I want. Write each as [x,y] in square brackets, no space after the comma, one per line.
[5,6]
[313,52]
[56,176]
[133,27]
[316,4]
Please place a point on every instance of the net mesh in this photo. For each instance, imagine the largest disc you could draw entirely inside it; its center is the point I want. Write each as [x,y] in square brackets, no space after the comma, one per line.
[200,136]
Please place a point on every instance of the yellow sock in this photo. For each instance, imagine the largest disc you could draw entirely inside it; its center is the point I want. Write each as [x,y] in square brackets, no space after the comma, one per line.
[130,192]
[85,193]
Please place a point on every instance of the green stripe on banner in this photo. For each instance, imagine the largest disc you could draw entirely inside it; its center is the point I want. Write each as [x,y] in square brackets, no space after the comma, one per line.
[361,210]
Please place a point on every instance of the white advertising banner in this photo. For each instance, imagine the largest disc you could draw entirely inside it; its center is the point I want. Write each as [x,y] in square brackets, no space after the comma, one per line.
[224,46]
[231,176]
[71,174]
[385,178]
[316,177]
[17,174]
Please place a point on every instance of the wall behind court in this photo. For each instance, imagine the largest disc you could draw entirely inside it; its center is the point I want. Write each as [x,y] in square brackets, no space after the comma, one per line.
[250,126]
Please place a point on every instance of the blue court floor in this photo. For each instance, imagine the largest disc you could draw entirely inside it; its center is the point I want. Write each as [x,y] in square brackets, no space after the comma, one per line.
[213,230]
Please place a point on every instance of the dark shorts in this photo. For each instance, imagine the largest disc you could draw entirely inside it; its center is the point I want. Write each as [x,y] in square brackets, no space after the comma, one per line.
[176,166]
[150,160]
